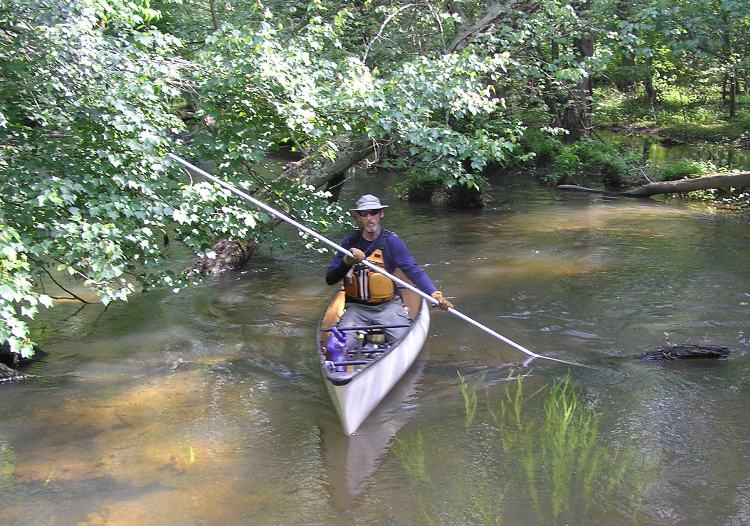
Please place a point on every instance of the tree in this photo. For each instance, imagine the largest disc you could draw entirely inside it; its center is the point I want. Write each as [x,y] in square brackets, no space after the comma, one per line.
[87,115]
[86,118]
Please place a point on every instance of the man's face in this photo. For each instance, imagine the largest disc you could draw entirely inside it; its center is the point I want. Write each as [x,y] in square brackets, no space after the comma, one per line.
[370,222]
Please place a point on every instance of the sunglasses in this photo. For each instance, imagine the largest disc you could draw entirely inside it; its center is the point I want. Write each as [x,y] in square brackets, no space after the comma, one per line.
[365,213]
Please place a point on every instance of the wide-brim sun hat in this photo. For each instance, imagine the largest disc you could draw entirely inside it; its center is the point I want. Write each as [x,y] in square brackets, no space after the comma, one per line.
[368,202]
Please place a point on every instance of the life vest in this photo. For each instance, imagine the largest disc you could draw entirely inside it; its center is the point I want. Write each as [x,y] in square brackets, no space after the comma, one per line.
[367,286]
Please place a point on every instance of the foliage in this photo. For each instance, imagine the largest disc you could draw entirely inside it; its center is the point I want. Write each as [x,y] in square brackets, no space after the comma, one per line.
[540,146]
[263,89]
[567,165]
[685,169]
[260,90]
[83,176]
[86,121]
[593,159]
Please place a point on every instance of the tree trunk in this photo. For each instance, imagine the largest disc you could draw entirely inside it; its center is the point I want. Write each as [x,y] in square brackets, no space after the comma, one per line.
[648,82]
[492,14]
[465,33]
[311,171]
[577,116]
[626,83]
[214,15]
[708,182]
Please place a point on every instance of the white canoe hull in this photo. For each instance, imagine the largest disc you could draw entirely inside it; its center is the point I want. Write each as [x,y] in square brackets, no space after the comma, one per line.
[355,400]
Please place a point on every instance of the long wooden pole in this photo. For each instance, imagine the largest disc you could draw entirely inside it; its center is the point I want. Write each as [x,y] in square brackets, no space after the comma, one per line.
[532,355]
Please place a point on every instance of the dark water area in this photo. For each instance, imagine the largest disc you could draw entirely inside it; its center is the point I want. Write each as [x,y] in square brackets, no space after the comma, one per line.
[207,407]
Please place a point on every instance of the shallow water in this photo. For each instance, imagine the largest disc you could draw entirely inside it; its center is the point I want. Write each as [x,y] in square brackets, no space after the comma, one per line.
[207,407]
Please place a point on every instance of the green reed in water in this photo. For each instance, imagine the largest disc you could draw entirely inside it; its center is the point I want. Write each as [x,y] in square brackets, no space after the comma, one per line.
[469,393]
[7,466]
[410,452]
[561,455]
[550,460]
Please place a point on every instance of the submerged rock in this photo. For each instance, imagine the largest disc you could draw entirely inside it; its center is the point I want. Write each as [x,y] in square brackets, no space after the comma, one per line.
[685,352]
[7,374]
[11,362]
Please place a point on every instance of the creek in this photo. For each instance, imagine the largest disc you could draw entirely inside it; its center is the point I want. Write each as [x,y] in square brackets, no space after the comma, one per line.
[207,407]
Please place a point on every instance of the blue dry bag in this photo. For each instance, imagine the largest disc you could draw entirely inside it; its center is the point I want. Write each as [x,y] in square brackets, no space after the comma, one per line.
[336,347]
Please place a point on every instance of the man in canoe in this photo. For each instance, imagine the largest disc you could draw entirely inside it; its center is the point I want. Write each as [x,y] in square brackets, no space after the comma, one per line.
[371,298]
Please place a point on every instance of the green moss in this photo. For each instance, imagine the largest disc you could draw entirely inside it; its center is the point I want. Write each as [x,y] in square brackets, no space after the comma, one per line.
[424,187]
[734,130]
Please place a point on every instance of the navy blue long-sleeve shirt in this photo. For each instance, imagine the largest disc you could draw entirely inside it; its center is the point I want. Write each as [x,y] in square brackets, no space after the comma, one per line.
[395,255]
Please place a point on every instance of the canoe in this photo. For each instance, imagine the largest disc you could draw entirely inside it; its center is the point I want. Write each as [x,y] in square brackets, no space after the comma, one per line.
[358,383]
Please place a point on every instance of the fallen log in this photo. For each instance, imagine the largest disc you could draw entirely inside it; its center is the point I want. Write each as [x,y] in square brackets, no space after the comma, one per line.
[735,180]
[685,352]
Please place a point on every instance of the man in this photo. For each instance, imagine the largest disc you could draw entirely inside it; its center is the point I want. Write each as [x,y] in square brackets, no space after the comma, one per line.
[371,298]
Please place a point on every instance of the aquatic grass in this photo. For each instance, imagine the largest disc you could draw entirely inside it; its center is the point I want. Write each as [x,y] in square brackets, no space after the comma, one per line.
[556,445]
[537,448]
[469,393]
[189,454]
[7,466]
[507,413]
[410,452]
[486,504]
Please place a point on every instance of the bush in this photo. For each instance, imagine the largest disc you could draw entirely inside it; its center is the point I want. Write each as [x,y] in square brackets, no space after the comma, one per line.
[542,145]
[684,169]
[419,186]
[566,165]
[596,160]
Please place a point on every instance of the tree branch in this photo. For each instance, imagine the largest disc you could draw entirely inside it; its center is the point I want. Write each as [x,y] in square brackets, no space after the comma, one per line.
[382,27]
[73,295]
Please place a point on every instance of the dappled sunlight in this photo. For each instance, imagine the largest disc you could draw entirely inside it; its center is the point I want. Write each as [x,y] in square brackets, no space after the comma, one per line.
[641,216]
[534,267]
[139,436]
[207,407]
[194,504]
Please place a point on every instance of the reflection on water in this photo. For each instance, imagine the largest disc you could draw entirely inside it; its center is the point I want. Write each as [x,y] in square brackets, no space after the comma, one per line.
[208,407]
[351,461]
[720,155]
